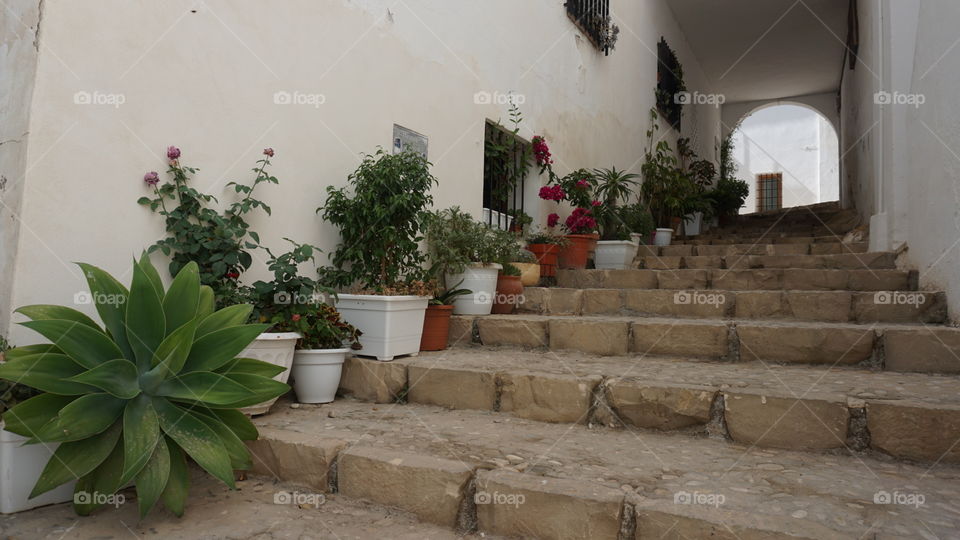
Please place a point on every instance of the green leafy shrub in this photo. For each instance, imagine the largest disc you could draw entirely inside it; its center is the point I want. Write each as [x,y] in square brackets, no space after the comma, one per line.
[456,240]
[321,328]
[728,196]
[131,400]
[11,393]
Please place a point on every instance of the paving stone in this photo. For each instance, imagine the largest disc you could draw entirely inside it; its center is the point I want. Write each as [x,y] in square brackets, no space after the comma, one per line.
[760,305]
[927,349]
[602,337]
[786,422]
[879,280]
[535,300]
[432,488]
[582,279]
[452,388]
[684,304]
[663,407]
[461,331]
[551,508]
[815,280]
[632,279]
[914,430]
[372,380]
[788,249]
[746,280]
[829,306]
[688,521]
[683,339]
[704,262]
[547,397]
[647,250]
[662,263]
[679,250]
[513,331]
[683,279]
[787,261]
[602,301]
[565,301]
[857,261]
[831,345]
[900,307]
[290,456]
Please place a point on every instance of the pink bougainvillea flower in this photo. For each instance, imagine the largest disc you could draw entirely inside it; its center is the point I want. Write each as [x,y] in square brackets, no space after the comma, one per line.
[552,220]
[596,203]
[268,152]
[541,151]
[296,317]
[173,152]
[232,275]
[583,184]
[151,178]
[552,193]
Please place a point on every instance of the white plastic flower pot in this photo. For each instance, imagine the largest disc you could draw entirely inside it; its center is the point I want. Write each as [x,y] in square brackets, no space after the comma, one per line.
[316,374]
[275,348]
[636,238]
[693,224]
[20,467]
[615,254]
[481,279]
[392,325]
[663,237]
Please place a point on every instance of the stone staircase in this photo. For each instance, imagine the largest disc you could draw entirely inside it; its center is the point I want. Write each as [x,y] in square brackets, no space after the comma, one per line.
[740,385]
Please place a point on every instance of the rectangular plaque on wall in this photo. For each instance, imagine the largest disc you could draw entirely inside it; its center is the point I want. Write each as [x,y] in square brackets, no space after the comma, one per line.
[406,139]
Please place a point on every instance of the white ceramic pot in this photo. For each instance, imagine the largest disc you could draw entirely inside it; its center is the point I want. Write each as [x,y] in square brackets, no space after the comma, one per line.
[636,238]
[20,467]
[276,348]
[693,224]
[482,280]
[663,237]
[615,254]
[316,374]
[391,325]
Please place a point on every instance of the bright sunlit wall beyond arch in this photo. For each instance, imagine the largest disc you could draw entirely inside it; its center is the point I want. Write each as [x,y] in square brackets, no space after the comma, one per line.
[796,141]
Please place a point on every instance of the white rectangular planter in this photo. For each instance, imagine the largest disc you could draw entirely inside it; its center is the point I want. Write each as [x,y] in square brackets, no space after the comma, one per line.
[615,254]
[20,467]
[391,325]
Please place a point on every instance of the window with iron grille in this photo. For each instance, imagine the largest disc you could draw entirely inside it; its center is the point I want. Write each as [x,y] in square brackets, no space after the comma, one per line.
[669,84]
[593,18]
[769,191]
[505,166]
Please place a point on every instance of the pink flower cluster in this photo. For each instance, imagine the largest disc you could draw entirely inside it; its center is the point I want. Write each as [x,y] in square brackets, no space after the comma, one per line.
[541,151]
[581,221]
[583,184]
[552,220]
[552,193]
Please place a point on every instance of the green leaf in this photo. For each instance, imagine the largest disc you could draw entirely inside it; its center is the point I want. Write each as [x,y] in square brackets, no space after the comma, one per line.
[30,350]
[109,297]
[47,372]
[104,480]
[263,389]
[196,439]
[207,301]
[173,352]
[141,431]
[146,324]
[251,366]
[217,348]
[116,377]
[73,460]
[181,302]
[238,422]
[175,494]
[153,478]
[27,417]
[239,455]
[45,312]
[150,271]
[224,318]
[203,387]
[84,417]
[88,347]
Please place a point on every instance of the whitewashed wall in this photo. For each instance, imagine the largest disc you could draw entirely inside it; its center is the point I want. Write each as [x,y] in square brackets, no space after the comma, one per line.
[205,81]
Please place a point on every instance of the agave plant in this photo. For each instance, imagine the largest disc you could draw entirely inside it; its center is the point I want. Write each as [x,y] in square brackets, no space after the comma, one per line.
[130,401]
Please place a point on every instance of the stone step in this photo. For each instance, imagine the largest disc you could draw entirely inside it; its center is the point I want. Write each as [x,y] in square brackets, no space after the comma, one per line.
[500,474]
[890,346]
[767,279]
[829,306]
[724,250]
[852,261]
[770,238]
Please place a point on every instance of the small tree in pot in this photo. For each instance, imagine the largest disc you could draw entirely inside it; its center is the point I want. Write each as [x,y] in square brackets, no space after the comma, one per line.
[615,251]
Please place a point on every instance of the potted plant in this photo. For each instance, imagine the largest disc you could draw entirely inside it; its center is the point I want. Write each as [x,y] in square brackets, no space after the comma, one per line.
[577,188]
[509,290]
[664,185]
[380,217]
[519,221]
[131,399]
[529,267]
[615,250]
[323,346]
[436,322]
[545,247]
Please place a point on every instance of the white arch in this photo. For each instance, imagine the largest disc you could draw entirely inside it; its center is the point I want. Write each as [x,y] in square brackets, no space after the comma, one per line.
[823,104]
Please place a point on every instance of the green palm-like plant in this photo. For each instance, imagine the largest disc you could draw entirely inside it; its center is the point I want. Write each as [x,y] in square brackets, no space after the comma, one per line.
[130,401]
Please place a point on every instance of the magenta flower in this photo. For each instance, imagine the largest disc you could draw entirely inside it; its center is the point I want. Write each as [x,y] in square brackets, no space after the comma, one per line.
[173,152]
[596,203]
[268,152]
[552,220]
[151,178]
[583,184]
[552,193]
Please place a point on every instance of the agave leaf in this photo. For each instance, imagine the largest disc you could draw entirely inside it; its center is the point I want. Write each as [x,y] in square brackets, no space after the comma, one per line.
[182,300]
[262,388]
[251,366]
[29,350]
[173,352]
[141,431]
[104,480]
[107,294]
[88,347]
[27,417]
[224,318]
[47,372]
[239,455]
[207,301]
[146,323]
[217,348]
[153,478]
[178,484]
[116,377]
[196,439]
[73,460]
[151,273]
[83,418]
[41,312]
[203,387]
[238,422]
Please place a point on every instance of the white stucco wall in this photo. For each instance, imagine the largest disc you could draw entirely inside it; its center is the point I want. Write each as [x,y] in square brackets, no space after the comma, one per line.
[792,140]
[205,81]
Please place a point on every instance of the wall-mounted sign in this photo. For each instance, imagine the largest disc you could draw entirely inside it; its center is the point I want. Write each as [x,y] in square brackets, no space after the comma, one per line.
[406,139]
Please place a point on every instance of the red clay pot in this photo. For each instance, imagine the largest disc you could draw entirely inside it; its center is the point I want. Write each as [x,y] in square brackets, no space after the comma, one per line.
[509,292]
[436,328]
[574,256]
[546,255]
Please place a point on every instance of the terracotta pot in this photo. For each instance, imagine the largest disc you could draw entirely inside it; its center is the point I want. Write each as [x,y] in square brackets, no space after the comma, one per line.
[436,328]
[529,273]
[546,255]
[574,256]
[509,294]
